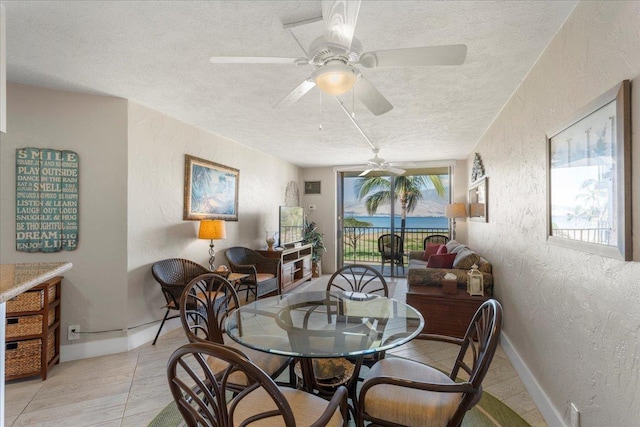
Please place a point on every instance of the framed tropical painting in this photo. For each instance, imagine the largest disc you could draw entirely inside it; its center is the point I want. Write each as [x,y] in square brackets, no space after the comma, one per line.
[210,190]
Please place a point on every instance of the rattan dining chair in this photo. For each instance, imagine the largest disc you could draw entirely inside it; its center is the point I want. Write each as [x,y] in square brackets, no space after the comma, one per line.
[173,274]
[401,392]
[362,279]
[204,398]
[207,301]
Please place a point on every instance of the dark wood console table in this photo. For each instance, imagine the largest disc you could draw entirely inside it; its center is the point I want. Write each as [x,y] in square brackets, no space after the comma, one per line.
[444,314]
[295,265]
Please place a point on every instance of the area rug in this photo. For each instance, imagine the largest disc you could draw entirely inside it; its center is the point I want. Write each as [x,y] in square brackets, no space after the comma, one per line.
[489,412]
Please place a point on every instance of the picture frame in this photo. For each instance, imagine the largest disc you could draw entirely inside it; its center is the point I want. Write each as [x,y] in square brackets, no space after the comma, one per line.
[479,200]
[312,187]
[589,177]
[210,190]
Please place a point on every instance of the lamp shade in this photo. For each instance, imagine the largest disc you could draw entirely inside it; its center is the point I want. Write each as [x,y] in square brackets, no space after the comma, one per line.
[455,210]
[335,78]
[212,229]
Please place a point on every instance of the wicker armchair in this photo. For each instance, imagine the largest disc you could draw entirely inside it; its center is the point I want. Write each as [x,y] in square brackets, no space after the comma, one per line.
[173,274]
[435,238]
[264,273]
[391,249]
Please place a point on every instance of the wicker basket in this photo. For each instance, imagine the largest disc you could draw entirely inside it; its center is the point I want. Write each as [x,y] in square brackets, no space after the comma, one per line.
[30,300]
[51,345]
[23,326]
[52,316]
[23,357]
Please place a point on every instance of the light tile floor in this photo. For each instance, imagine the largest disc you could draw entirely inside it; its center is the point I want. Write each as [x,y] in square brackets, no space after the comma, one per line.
[130,389]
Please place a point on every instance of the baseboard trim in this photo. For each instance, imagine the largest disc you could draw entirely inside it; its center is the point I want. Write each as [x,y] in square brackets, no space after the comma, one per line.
[542,401]
[84,350]
[96,348]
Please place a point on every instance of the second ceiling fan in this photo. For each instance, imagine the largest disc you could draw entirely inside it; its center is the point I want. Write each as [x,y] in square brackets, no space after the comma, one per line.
[336,55]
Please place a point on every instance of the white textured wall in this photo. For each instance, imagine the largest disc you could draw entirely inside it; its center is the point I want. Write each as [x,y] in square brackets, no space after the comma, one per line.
[157,145]
[94,292]
[573,317]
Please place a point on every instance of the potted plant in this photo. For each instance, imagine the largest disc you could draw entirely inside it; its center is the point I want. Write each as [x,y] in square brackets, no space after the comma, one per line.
[314,237]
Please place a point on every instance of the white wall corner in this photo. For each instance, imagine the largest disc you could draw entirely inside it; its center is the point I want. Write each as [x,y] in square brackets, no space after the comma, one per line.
[3,70]
[542,401]
[88,349]
[146,335]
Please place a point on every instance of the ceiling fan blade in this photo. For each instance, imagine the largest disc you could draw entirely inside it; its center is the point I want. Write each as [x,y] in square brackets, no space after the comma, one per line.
[296,93]
[454,54]
[340,18]
[252,60]
[365,173]
[371,97]
[396,171]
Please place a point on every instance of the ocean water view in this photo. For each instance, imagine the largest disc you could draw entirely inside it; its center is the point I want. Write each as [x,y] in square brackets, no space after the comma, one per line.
[412,222]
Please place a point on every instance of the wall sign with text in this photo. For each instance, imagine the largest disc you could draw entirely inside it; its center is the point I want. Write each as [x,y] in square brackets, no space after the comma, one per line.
[46,200]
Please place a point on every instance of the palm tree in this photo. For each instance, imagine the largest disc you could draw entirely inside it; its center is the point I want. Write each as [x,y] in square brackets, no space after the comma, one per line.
[376,191]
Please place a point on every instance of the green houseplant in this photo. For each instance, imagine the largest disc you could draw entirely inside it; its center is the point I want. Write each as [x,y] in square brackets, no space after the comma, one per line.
[314,237]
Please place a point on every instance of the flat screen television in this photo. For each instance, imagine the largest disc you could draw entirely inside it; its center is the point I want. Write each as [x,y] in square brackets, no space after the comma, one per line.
[291,225]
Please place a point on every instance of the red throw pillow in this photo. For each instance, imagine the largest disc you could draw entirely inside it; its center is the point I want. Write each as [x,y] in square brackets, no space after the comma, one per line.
[432,249]
[442,250]
[441,261]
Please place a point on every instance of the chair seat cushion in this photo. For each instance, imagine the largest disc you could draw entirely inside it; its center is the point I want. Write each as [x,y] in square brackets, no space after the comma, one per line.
[270,363]
[306,408]
[261,277]
[406,406]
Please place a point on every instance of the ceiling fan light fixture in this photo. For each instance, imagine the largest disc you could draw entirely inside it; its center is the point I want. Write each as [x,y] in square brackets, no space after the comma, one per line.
[335,78]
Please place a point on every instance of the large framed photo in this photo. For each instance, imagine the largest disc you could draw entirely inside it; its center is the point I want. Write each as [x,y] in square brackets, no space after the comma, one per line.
[589,177]
[210,190]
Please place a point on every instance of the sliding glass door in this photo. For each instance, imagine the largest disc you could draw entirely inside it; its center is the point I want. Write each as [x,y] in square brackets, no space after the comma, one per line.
[383,216]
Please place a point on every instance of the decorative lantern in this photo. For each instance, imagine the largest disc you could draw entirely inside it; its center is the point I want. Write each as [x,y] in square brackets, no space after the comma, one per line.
[474,281]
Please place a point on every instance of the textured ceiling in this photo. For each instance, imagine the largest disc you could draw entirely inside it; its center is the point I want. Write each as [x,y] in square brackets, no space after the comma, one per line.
[156,54]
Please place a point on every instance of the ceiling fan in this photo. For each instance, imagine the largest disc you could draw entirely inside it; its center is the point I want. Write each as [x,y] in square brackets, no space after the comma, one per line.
[336,55]
[379,164]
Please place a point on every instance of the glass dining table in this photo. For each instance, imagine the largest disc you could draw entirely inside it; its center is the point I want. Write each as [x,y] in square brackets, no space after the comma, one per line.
[317,325]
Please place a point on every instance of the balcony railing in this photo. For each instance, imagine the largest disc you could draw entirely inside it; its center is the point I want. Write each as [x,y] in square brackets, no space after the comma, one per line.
[600,236]
[360,244]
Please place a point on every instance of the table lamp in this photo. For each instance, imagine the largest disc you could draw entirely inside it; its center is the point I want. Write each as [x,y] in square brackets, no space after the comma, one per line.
[212,230]
[453,211]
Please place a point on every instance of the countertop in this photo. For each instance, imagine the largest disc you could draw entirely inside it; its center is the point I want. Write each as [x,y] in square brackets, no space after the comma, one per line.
[17,278]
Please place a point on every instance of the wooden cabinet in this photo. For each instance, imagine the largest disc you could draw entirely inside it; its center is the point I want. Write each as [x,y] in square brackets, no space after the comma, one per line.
[444,314]
[295,265]
[32,338]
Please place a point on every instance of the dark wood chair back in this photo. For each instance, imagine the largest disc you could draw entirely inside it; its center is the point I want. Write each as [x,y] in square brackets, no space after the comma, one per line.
[205,305]
[435,238]
[204,398]
[358,278]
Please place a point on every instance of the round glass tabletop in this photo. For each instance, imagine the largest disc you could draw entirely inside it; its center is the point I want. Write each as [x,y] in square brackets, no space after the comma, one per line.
[324,324]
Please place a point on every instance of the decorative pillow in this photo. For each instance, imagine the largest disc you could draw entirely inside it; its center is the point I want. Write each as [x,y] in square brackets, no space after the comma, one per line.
[451,244]
[432,249]
[465,259]
[441,261]
[458,249]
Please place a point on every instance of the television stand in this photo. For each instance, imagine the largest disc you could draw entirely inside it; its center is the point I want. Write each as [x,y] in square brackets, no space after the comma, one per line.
[295,265]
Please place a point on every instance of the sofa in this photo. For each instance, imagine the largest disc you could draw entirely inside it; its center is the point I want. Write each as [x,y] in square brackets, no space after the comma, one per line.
[428,267]
[445,313]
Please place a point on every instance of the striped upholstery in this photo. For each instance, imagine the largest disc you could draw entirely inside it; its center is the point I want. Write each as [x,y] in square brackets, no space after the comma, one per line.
[306,408]
[269,363]
[407,406]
